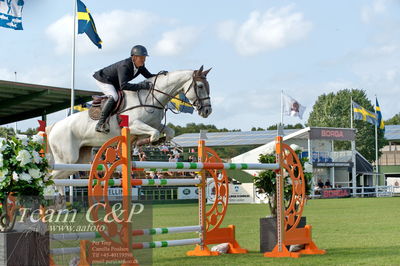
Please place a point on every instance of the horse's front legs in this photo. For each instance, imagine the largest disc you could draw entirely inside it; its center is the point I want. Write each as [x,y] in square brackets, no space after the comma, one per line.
[138,127]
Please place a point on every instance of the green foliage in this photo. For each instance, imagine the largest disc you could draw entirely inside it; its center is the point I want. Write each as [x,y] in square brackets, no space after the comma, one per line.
[6,132]
[333,110]
[395,120]
[297,126]
[257,129]
[195,128]
[265,182]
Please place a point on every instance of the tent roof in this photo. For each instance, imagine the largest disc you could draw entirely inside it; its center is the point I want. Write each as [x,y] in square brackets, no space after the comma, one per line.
[20,101]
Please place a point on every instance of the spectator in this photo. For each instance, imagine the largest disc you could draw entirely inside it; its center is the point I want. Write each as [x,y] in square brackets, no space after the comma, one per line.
[328,184]
[142,156]
[320,183]
[171,158]
[135,151]
[164,149]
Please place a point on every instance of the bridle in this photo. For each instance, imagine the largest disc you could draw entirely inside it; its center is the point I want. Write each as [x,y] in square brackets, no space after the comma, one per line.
[198,103]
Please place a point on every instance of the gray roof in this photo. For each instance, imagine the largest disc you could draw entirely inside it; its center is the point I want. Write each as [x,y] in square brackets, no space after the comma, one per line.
[392,133]
[20,101]
[230,138]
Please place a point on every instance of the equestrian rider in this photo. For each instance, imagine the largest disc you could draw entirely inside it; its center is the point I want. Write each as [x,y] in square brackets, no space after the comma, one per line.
[116,77]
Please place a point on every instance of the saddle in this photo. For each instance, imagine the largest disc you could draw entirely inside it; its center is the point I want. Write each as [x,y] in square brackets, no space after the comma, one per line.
[98,102]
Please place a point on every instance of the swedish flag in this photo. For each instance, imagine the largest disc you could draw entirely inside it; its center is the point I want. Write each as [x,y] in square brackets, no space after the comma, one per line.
[86,24]
[181,104]
[360,113]
[381,123]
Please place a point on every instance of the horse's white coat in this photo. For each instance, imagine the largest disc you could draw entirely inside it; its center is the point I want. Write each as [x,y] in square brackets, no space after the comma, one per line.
[67,136]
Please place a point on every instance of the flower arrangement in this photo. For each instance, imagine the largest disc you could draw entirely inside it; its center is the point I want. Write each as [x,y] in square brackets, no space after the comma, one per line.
[23,171]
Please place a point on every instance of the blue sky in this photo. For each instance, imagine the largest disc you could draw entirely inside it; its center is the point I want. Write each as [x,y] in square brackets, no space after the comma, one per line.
[256,49]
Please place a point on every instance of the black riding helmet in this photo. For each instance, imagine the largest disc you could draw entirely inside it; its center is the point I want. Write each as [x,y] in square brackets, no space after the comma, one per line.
[139,50]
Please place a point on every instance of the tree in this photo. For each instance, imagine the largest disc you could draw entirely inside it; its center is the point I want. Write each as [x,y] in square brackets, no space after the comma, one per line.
[257,129]
[297,126]
[6,131]
[333,110]
[395,120]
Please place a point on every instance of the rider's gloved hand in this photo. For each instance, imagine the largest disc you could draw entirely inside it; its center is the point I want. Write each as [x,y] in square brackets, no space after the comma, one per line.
[145,85]
[163,72]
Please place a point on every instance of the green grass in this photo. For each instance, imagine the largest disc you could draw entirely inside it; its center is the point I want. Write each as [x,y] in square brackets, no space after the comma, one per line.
[352,231]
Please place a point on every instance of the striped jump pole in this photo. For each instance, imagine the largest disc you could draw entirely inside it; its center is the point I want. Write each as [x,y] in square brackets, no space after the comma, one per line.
[166,243]
[134,182]
[167,166]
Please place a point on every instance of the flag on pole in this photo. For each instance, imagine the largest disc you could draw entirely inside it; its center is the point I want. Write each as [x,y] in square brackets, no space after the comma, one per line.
[381,123]
[86,24]
[181,104]
[11,14]
[291,107]
[360,113]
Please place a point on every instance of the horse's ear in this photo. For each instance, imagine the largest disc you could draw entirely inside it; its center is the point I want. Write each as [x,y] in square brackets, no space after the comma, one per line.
[206,72]
[200,70]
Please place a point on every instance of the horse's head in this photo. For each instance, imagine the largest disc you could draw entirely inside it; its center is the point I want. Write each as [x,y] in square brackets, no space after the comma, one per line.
[199,92]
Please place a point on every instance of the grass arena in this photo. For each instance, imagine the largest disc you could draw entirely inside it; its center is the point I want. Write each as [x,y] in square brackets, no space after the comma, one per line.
[362,231]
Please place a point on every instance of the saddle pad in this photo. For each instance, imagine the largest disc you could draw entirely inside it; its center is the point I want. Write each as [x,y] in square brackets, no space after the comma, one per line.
[95,112]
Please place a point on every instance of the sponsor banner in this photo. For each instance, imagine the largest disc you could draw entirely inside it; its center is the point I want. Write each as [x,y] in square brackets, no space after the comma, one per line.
[238,193]
[332,133]
[188,193]
[116,193]
[335,193]
[395,182]
[332,164]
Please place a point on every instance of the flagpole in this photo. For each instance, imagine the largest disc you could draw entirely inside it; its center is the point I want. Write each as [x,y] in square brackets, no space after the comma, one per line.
[282,107]
[73,61]
[71,188]
[376,146]
[351,111]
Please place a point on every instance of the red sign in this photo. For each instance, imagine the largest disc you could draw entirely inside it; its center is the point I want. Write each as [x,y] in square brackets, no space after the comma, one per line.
[332,133]
[335,193]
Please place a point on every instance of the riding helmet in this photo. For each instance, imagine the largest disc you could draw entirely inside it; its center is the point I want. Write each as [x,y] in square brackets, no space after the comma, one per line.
[139,50]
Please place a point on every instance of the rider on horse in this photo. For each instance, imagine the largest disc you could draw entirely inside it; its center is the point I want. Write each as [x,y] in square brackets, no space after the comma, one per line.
[116,77]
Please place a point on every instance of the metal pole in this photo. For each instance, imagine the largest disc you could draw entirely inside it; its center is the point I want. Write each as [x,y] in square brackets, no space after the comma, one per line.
[71,189]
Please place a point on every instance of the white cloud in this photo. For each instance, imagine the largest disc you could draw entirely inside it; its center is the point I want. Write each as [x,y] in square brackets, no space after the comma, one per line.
[176,41]
[377,7]
[113,28]
[273,29]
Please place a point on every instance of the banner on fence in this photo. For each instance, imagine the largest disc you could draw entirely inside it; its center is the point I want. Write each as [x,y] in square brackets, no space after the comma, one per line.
[238,193]
[116,192]
[395,182]
[188,193]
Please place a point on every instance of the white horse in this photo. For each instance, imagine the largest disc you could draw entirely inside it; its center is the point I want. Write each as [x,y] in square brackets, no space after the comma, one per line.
[145,108]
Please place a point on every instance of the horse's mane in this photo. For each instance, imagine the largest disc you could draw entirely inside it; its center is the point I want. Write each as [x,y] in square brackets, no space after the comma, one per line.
[162,77]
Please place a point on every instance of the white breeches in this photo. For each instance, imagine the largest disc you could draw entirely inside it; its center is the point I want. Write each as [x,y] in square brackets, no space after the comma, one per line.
[107,89]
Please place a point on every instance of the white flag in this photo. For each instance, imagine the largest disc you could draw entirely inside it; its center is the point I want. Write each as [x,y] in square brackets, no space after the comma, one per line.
[11,14]
[291,107]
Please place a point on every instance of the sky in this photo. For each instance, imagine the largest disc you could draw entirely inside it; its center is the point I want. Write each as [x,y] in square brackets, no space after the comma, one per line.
[256,49]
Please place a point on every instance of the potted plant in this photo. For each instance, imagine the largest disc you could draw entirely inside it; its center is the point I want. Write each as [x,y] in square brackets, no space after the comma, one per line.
[24,173]
[265,182]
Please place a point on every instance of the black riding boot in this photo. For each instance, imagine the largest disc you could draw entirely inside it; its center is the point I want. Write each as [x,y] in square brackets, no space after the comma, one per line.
[108,106]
